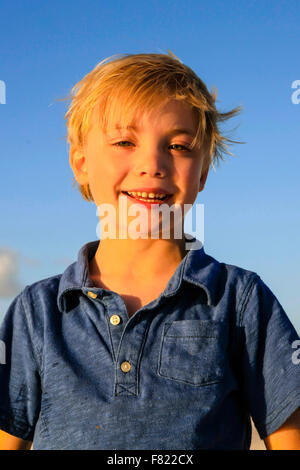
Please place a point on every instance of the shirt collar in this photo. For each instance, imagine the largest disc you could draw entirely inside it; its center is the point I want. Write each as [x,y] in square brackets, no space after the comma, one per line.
[197,268]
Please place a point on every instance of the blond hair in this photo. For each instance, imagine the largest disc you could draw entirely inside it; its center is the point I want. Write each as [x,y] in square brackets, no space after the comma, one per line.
[128,83]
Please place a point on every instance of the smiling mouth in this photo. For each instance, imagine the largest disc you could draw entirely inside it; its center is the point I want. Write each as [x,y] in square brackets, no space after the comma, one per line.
[147,200]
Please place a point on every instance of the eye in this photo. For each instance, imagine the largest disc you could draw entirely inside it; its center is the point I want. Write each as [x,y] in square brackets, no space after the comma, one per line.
[123,143]
[182,147]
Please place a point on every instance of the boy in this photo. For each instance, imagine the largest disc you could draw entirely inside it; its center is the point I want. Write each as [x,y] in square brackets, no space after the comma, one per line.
[146,342]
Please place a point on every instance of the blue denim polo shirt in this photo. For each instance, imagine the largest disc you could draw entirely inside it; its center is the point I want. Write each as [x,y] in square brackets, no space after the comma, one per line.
[186,371]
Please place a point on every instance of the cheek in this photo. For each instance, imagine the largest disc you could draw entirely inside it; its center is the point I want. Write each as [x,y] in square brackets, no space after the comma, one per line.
[191,178]
[106,178]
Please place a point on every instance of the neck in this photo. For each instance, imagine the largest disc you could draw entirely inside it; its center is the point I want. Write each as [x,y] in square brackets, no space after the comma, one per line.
[136,260]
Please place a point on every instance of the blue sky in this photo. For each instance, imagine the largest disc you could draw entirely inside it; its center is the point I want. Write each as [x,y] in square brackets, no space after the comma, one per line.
[247,49]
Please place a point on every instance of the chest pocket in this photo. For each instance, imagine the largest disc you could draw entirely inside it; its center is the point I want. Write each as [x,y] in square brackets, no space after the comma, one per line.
[193,351]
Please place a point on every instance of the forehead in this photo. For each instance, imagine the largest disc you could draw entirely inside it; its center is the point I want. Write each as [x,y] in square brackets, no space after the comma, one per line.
[168,112]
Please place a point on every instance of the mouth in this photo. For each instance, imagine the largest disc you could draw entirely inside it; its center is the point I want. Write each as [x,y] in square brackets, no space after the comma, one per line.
[149,199]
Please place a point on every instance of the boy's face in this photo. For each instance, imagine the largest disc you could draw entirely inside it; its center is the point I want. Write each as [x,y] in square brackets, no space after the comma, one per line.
[153,154]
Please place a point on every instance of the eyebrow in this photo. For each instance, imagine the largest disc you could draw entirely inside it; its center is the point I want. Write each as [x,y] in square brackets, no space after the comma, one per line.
[174,131]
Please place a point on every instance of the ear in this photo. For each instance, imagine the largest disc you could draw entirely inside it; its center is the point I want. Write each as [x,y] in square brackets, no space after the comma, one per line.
[78,164]
[203,179]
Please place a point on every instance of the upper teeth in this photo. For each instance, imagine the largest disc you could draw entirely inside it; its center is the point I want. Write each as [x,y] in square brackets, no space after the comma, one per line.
[147,195]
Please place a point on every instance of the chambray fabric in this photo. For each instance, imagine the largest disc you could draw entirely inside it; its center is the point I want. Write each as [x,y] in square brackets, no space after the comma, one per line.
[212,350]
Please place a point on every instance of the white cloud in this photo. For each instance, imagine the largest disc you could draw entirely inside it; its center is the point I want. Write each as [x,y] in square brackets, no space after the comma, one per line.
[9,264]
[31,262]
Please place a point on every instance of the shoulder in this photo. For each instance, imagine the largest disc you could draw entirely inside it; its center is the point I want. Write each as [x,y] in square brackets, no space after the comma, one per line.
[34,303]
[40,293]
[255,301]
[29,315]
[236,275]
[227,283]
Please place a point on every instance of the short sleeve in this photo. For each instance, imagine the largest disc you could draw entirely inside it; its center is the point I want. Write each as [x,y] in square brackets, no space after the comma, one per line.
[270,369]
[20,389]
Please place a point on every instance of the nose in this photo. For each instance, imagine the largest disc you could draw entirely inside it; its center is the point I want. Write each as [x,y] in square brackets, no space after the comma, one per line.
[151,162]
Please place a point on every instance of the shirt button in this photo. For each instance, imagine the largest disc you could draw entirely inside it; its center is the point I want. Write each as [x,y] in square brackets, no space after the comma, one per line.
[125,366]
[92,294]
[115,319]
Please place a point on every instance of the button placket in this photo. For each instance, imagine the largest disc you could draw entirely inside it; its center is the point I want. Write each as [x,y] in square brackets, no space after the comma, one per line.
[127,340]
[115,317]
[129,355]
